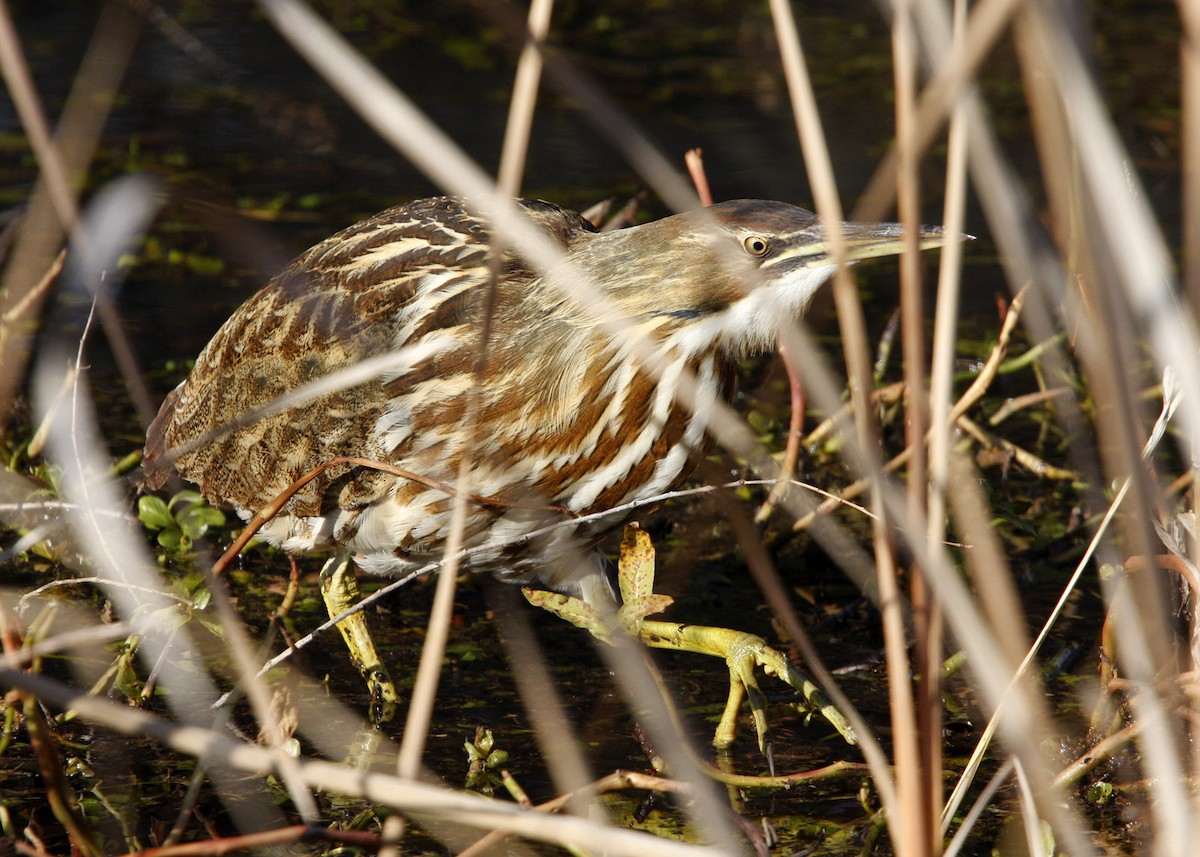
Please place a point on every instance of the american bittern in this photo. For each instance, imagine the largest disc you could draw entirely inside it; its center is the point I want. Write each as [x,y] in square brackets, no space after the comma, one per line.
[566,420]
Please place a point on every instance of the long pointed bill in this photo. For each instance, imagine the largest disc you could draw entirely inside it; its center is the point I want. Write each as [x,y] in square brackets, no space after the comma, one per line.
[863,241]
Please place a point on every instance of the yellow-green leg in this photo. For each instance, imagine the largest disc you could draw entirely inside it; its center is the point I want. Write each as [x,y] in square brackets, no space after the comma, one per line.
[340,591]
[743,653]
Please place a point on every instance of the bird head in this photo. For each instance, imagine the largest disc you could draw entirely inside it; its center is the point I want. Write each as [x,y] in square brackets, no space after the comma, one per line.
[729,274]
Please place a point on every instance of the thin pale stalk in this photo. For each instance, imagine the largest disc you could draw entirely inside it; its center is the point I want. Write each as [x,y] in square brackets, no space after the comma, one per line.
[960,840]
[1028,258]
[969,509]
[989,731]
[1189,15]
[854,340]
[52,211]
[122,558]
[552,727]
[916,712]
[791,451]
[512,162]
[1035,839]
[524,99]
[945,330]
[607,118]
[695,166]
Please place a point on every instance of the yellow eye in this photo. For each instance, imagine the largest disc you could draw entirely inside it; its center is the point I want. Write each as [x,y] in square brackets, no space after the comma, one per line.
[756,245]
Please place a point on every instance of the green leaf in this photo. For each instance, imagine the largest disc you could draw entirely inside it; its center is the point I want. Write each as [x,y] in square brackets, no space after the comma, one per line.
[213,517]
[170,618]
[180,587]
[187,495]
[213,627]
[473,754]
[172,540]
[196,520]
[201,598]
[153,513]
[191,582]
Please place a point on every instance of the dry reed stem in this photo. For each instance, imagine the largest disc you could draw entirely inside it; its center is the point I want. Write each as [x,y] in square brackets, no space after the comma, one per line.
[959,841]
[1125,265]
[27,303]
[118,557]
[945,328]
[615,781]
[972,395]
[556,738]
[1190,240]
[791,450]
[52,207]
[850,320]
[1189,15]
[512,160]
[1098,754]
[54,212]
[695,166]
[1034,464]
[1016,404]
[295,834]
[915,704]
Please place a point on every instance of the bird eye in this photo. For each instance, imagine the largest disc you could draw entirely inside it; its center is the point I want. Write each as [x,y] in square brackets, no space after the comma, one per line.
[756,245]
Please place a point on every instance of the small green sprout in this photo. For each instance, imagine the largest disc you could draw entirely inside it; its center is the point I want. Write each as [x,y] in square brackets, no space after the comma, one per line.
[1101,793]
[484,759]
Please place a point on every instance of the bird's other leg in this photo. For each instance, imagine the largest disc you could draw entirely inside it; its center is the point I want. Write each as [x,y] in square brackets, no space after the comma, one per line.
[340,591]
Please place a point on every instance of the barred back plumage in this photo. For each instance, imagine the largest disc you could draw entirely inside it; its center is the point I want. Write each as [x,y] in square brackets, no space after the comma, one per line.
[565,415]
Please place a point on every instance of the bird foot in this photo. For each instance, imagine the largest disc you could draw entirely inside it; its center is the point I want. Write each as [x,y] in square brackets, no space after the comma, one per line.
[340,591]
[743,652]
